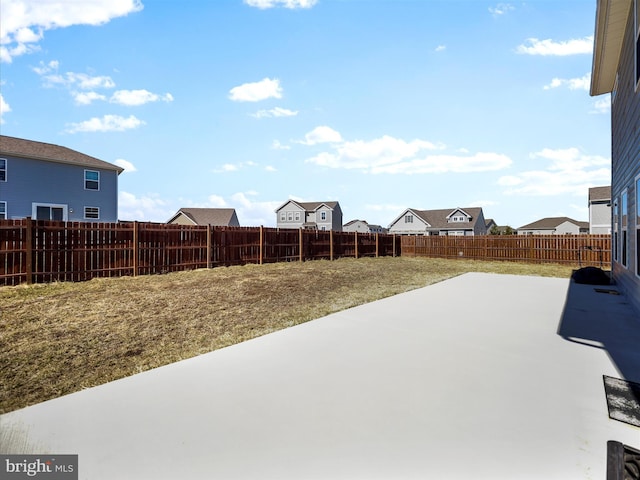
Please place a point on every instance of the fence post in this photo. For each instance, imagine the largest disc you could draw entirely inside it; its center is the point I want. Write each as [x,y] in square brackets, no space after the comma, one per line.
[135,248]
[29,247]
[261,242]
[377,244]
[300,244]
[355,237]
[331,244]
[209,234]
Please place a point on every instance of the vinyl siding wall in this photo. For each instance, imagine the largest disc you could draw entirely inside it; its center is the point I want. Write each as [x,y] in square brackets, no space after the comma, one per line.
[625,159]
[35,181]
[600,218]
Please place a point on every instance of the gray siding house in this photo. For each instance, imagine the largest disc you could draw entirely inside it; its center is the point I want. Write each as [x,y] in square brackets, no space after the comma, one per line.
[362,226]
[219,217]
[600,210]
[49,182]
[311,215]
[616,70]
[456,221]
[554,226]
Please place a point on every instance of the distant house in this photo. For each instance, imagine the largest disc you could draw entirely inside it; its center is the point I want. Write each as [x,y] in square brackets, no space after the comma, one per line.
[554,226]
[311,215]
[600,210]
[219,217]
[49,182]
[456,221]
[616,70]
[490,223]
[362,226]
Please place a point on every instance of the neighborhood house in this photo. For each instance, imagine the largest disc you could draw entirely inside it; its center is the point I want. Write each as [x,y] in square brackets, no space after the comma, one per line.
[310,215]
[457,221]
[554,226]
[49,182]
[218,217]
[600,210]
[362,226]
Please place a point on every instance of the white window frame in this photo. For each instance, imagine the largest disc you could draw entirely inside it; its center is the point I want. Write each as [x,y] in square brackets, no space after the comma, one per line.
[297,216]
[408,219]
[615,230]
[283,216]
[3,210]
[323,216]
[65,209]
[290,216]
[624,228]
[6,167]
[87,180]
[97,210]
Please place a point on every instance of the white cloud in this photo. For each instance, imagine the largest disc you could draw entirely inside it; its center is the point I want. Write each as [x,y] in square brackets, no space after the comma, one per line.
[256,91]
[440,48]
[25,21]
[264,4]
[127,165]
[216,201]
[4,108]
[234,167]
[321,134]
[569,172]
[108,123]
[138,97]
[270,168]
[483,203]
[274,112]
[582,83]
[548,47]
[276,145]
[253,213]
[86,98]
[148,208]
[50,77]
[395,156]
[602,105]
[501,9]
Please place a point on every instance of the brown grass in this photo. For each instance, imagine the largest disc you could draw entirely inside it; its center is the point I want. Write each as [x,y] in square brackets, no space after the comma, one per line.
[60,338]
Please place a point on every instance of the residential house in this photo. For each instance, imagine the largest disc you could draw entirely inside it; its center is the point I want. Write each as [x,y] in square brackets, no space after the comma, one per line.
[554,226]
[50,182]
[456,221]
[311,215]
[219,217]
[616,70]
[600,210]
[490,223]
[362,226]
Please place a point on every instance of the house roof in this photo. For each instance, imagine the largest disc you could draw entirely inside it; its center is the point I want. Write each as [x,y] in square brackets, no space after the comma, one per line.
[551,223]
[49,152]
[439,218]
[600,193]
[355,221]
[310,206]
[611,22]
[207,216]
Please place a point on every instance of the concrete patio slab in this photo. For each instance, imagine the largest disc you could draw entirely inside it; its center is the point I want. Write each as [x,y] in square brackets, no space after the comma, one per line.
[481,376]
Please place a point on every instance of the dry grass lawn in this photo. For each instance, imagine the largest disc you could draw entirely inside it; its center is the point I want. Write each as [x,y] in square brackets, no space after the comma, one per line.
[60,338]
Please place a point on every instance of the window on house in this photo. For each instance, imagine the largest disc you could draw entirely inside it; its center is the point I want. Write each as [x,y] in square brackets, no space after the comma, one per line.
[3,169]
[283,216]
[297,215]
[290,216]
[638,225]
[3,210]
[91,213]
[50,212]
[408,219]
[323,215]
[615,230]
[624,205]
[91,180]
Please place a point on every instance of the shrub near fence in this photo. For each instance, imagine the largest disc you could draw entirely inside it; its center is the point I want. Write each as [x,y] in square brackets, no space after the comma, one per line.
[46,251]
[577,250]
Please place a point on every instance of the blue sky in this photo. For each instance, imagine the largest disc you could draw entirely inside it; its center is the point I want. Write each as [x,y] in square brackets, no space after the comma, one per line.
[378,104]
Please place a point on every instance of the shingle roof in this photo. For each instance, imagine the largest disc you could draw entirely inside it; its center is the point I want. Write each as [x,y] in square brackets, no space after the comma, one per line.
[49,152]
[550,223]
[208,216]
[600,193]
[310,206]
[438,218]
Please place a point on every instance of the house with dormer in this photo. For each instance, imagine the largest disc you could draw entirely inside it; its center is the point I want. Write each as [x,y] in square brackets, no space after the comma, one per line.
[450,221]
[310,215]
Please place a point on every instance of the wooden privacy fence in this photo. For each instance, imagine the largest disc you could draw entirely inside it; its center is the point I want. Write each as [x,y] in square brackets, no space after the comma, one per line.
[45,251]
[575,250]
